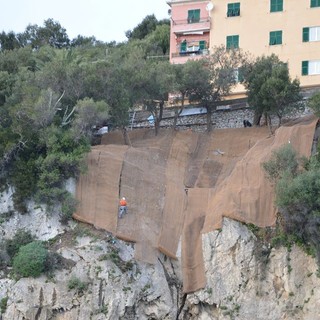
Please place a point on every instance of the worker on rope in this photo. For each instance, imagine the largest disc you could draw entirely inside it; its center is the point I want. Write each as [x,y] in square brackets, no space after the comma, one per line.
[122,207]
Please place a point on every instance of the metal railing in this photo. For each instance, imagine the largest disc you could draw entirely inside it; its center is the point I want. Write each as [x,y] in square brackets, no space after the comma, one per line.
[190,21]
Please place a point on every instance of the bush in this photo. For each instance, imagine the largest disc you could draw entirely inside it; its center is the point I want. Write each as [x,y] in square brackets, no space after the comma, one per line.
[283,161]
[30,260]
[77,284]
[21,238]
[314,103]
[3,305]
[68,207]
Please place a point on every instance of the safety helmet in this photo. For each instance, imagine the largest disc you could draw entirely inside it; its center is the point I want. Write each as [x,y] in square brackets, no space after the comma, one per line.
[123,198]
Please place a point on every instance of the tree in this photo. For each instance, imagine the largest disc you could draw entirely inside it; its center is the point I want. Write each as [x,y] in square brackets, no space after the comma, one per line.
[314,103]
[160,38]
[297,197]
[88,114]
[186,81]
[270,89]
[216,78]
[156,81]
[9,41]
[52,33]
[144,28]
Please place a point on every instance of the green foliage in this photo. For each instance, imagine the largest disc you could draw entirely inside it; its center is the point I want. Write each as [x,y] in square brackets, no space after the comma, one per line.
[30,260]
[146,27]
[76,284]
[297,197]
[20,239]
[283,161]
[270,89]
[68,207]
[3,304]
[314,103]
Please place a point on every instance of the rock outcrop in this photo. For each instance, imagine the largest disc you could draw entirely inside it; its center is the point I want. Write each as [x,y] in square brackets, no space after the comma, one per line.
[246,279]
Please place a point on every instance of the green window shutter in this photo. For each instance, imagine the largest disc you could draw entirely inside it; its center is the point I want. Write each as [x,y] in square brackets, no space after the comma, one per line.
[183,46]
[233,9]
[193,16]
[275,38]
[279,37]
[232,42]
[230,10]
[315,3]
[237,9]
[305,67]
[305,34]
[276,5]
[202,44]
[197,15]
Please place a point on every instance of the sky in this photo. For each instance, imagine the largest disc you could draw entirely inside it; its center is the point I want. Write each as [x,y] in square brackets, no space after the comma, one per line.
[106,20]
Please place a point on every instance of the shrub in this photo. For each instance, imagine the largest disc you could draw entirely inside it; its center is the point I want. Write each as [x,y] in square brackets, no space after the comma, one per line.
[283,161]
[30,260]
[3,305]
[21,238]
[77,284]
[68,207]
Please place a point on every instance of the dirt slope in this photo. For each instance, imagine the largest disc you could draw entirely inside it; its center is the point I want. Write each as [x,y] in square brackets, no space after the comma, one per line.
[180,184]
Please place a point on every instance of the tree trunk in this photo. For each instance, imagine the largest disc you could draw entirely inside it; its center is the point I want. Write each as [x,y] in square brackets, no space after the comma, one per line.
[256,119]
[158,118]
[178,112]
[126,136]
[269,124]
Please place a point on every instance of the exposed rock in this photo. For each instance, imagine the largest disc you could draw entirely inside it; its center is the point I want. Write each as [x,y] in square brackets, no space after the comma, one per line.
[246,279]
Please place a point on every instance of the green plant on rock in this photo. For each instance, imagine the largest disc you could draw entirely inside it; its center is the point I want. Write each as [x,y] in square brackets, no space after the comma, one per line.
[21,238]
[76,284]
[30,260]
[3,305]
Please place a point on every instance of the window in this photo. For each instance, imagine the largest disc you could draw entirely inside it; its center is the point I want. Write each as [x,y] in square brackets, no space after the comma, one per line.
[275,38]
[310,67]
[202,45]
[193,16]
[311,34]
[232,42]
[276,5]
[233,9]
[315,3]
[183,46]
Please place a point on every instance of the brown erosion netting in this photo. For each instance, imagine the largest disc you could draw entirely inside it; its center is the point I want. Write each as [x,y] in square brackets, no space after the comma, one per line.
[143,183]
[222,173]
[175,196]
[191,244]
[98,189]
[246,194]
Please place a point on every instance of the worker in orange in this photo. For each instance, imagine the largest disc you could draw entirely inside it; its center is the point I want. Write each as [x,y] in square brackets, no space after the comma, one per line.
[122,207]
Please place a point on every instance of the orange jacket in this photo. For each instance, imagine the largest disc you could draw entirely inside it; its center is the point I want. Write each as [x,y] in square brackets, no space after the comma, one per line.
[123,203]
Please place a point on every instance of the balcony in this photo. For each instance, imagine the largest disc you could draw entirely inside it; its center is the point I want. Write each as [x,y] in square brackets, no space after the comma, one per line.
[191,26]
[191,52]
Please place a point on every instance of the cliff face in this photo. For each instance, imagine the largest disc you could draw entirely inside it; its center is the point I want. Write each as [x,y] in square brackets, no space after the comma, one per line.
[245,280]
[185,208]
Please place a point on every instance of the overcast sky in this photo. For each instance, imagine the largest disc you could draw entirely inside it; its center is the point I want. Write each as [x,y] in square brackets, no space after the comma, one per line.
[107,20]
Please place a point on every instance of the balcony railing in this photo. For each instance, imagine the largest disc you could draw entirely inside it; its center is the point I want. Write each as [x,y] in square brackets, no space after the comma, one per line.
[203,52]
[183,26]
[190,21]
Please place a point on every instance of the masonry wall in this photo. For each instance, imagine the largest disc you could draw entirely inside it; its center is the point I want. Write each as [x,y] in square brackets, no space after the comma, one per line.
[220,120]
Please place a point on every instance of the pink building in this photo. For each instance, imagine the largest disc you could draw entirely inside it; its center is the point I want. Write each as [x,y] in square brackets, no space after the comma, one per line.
[190,29]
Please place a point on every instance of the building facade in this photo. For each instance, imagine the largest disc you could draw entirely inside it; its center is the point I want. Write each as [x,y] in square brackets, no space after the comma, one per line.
[288,28]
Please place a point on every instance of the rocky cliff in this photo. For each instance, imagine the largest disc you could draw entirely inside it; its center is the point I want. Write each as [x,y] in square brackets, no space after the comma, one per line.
[246,279]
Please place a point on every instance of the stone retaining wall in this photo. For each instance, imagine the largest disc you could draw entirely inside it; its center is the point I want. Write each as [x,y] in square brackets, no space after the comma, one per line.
[220,120]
